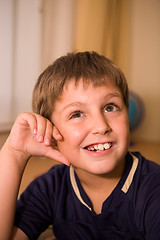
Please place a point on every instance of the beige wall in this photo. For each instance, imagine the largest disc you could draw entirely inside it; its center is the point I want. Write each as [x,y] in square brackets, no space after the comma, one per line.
[145,64]
[6,56]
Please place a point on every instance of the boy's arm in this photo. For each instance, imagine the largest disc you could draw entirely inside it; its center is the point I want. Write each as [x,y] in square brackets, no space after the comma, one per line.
[10,177]
[18,234]
[31,135]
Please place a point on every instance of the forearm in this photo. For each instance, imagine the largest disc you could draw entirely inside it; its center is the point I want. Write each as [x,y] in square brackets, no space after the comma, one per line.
[31,135]
[11,169]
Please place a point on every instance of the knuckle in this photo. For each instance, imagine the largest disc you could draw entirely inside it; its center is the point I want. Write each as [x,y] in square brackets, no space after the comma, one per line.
[49,124]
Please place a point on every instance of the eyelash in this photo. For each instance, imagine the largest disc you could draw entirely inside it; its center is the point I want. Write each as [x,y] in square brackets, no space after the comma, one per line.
[113,106]
[76,114]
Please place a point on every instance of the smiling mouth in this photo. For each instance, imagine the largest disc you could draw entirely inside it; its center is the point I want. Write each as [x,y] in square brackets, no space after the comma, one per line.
[99,147]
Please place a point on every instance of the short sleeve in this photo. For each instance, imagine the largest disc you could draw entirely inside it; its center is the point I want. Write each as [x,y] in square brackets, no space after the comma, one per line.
[34,208]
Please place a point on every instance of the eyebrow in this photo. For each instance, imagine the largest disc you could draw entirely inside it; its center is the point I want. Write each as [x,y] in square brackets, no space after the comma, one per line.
[107,96]
[74,104]
[115,94]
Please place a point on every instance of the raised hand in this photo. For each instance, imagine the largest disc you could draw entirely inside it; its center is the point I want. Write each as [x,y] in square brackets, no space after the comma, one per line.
[33,134]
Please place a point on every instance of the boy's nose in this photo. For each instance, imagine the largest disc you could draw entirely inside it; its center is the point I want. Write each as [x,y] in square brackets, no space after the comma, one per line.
[100,125]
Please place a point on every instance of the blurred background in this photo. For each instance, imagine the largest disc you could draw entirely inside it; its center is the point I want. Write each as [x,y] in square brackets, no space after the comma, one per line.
[33,33]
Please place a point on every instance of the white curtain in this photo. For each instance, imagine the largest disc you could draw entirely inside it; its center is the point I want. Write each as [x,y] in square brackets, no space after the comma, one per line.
[57,29]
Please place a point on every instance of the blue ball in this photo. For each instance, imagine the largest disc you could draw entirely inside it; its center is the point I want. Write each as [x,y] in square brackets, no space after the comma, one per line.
[136,111]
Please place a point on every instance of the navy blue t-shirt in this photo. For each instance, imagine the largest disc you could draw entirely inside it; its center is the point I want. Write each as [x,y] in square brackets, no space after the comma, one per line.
[131,212]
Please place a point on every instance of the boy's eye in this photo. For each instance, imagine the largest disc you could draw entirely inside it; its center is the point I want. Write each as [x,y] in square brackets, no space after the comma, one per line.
[110,108]
[76,114]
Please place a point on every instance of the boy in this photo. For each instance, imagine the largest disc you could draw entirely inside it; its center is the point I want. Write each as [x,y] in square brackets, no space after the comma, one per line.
[80,103]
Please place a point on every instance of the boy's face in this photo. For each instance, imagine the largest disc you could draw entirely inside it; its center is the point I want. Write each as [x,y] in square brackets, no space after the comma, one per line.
[93,122]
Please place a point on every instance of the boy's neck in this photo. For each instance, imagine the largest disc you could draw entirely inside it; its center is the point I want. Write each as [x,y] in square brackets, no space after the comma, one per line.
[99,187]
[100,183]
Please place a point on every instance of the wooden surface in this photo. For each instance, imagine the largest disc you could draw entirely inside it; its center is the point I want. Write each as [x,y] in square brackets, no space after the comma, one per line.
[150,150]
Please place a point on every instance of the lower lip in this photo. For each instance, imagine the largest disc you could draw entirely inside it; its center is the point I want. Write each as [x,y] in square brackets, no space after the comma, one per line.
[98,154]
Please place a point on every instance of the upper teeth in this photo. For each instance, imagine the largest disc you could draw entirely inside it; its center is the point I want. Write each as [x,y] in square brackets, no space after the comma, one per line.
[100,147]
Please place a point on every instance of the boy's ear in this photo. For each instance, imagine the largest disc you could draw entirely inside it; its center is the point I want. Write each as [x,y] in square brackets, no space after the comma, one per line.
[56,134]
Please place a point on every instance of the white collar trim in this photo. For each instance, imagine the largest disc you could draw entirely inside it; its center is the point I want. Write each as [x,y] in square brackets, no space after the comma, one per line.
[75,187]
[129,179]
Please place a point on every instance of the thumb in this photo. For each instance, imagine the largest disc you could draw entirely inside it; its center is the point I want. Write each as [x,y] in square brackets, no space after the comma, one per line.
[57,155]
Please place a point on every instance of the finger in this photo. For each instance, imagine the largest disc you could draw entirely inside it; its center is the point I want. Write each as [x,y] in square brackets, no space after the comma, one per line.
[56,134]
[41,127]
[28,119]
[48,133]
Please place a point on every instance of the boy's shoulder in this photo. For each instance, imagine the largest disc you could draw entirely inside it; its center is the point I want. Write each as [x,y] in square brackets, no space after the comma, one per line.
[55,177]
[57,171]
[146,166]
[147,177]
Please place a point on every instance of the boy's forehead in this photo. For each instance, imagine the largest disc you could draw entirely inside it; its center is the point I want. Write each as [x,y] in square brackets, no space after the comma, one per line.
[76,94]
[82,86]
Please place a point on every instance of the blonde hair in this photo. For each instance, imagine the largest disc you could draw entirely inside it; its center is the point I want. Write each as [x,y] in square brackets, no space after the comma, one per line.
[88,66]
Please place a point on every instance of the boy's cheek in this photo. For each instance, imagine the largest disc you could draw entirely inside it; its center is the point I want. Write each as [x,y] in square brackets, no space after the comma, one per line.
[65,151]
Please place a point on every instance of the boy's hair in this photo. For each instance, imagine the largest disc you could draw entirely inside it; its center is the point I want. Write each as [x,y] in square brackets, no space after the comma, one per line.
[88,66]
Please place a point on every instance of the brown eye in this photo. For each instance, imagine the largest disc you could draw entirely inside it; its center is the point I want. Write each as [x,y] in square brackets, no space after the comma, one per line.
[110,108]
[76,114]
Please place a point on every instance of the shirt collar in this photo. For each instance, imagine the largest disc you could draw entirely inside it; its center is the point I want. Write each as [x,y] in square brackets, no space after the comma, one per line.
[124,188]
